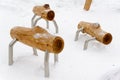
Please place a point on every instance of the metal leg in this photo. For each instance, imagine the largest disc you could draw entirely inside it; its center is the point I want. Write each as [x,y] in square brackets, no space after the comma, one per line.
[87,41]
[77,33]
[47,24]
[32,20]
[35,22]
[56,26]
[46,64]
[55,58]
[11,51]
[35,52]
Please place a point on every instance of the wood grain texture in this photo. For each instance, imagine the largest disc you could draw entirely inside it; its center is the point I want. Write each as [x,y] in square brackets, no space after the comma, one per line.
[87,4]
[39,38]
[95,30]
[44,12]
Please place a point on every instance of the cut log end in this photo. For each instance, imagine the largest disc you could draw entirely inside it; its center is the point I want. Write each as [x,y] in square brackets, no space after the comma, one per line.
[107,38]
[50,15]
[58,45]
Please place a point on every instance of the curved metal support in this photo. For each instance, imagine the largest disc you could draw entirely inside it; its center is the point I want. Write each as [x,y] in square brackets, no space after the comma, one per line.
[35,22]
[87,41]
[47,22]
[56,26]
[46,63]
[55,58]
[11,51]
[32,20]
[77,33]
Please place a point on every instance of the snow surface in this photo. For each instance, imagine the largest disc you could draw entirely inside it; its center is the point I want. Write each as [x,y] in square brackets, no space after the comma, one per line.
[98,62]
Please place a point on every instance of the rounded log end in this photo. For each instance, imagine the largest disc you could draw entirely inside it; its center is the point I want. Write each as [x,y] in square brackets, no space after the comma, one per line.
[107,38]
[58,45]
[50,15]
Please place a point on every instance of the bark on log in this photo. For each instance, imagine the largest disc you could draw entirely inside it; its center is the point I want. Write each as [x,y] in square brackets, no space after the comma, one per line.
[95,30]
[44,11]
[39,38]
[87,4]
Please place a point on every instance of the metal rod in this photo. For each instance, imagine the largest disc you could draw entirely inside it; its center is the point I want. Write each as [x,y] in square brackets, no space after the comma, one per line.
[87,41]
[35,52]
[32,20]
[55,58]
[46,64]
[11,51]
[56,26]
[47,24]
[77,33]
[35,22]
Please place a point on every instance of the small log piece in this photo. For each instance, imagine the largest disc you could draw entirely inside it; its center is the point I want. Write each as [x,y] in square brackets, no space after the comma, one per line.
[87,4]
[44,11]
[95,30]
[39,38]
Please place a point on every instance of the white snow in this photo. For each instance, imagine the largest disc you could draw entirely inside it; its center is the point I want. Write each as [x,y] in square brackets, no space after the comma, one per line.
[98,62]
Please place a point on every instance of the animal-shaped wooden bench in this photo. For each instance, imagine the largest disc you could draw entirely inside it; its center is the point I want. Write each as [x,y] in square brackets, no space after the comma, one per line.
[38,38]
[44,12]
[93,29]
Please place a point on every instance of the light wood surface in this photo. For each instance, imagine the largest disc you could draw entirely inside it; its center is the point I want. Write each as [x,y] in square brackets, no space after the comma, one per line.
[44,12]
[87,4]
[39,38]
[95,30]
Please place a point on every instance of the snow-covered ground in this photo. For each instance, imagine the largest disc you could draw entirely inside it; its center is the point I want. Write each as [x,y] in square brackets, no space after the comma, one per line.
[98,62]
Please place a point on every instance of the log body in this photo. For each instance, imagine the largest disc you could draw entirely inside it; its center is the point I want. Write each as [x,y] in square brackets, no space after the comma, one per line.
[39,38]
[87,4]
[95,30]
[44,11]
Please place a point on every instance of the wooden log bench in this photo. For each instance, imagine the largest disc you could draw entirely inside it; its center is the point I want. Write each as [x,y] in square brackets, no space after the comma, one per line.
[93,29]
[38,38]
[43,12]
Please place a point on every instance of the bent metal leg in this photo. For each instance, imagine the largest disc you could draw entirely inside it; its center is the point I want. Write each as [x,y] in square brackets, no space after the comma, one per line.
[11,51]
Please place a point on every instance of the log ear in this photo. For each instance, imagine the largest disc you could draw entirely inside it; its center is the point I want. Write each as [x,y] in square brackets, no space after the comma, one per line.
[46,6]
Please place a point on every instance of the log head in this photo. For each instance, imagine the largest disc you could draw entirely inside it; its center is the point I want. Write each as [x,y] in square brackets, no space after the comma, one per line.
[58,45]
[44,11]
[107,38]
[48,15]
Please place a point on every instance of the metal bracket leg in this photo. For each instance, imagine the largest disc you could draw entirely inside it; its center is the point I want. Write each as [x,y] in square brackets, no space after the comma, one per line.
[35,22]
[11,51]
[32,20]
[35,52]
[56,26]
[55,58]
[77,33]
[46,64]
[87,41]
[47,22]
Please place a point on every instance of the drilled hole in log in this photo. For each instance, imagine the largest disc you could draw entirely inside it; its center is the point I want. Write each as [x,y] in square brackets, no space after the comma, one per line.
[50,15]
[58,45]
[107,38]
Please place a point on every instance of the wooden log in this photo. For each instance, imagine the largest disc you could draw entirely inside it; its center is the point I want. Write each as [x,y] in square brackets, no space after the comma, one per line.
[95,30]
[87,4]
[44,11]
[39,38]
